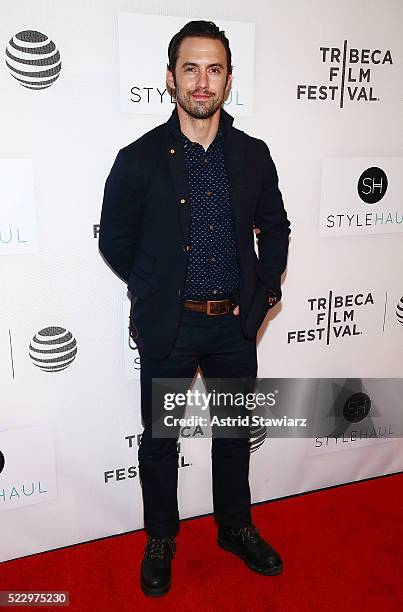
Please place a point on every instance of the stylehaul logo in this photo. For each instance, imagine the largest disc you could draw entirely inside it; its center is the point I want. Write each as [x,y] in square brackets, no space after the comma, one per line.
[27,467]
[371,188]
[372,185]
[361,196]
[334,318]
[349,75]
[143,89]
[356,418]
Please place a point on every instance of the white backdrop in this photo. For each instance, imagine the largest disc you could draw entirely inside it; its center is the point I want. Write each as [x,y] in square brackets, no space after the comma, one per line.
[70,424]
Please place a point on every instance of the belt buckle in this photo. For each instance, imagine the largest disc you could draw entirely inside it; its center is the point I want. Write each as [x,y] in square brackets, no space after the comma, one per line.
[210,302]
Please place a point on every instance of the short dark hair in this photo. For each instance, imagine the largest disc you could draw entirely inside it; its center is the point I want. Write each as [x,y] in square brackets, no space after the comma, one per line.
[202,29]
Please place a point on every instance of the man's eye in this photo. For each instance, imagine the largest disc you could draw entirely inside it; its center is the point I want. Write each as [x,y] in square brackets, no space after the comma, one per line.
[189,68]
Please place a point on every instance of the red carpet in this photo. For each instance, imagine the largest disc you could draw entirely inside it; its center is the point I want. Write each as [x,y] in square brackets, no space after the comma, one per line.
[342,549]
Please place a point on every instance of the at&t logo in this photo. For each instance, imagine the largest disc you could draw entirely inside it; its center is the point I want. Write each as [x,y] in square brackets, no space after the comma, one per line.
[53,349]
[33,59]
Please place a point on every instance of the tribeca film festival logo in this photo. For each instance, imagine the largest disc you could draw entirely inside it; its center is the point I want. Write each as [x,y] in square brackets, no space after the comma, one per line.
[133,441]
[349,76]
[334,318]
[53,349]
[33,59]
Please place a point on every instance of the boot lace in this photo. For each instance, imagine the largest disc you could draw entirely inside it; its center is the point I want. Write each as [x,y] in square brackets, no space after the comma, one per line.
[250,532]
[159,547]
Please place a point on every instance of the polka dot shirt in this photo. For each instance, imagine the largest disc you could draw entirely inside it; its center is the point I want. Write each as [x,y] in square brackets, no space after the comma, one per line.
[213,271]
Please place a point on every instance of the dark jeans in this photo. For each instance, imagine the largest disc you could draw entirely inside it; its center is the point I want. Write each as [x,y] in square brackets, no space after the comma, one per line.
[218,346]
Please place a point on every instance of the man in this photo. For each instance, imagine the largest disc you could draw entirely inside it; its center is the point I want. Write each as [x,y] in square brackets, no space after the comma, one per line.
[179,209]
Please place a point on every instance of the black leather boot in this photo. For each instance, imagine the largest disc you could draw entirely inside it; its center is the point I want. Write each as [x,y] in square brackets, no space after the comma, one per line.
[248,544]
[156,565]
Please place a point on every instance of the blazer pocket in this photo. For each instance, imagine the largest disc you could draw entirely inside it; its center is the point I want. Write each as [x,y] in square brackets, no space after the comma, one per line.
[145,262]
[139,287]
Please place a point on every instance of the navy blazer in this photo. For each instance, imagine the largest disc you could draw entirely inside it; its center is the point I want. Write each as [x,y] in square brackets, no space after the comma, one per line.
[145,228]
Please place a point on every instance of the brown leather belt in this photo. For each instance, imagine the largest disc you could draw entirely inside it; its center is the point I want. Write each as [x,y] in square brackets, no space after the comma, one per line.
[211,307]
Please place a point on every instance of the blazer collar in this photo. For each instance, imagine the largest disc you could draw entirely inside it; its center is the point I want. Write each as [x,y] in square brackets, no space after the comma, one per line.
[174,125]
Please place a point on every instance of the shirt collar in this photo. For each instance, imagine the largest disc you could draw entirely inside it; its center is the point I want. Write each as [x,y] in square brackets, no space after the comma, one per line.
[217,142]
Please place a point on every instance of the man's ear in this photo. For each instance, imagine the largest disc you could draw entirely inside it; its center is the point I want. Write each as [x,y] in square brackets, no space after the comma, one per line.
[170,79]
[228,85]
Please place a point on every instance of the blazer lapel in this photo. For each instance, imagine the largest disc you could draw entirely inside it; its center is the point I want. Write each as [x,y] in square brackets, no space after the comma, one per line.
[233,154]
[178,172]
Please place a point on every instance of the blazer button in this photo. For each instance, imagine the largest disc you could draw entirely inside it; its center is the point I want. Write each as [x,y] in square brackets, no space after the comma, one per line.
[172,151]
[186,247]
[183,200]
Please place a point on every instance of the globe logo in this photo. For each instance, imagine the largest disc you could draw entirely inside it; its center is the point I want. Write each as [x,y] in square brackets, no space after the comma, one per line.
[33,60]
[53,349]
[258,436]
[399,311]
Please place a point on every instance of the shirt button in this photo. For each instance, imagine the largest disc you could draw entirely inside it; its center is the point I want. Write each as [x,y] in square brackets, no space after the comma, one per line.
[209,193]
[215,291]
[205,160]
[186,247]
[211,226]
[212,258]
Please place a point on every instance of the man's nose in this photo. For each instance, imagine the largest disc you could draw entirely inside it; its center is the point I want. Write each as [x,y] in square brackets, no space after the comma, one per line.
[202,80]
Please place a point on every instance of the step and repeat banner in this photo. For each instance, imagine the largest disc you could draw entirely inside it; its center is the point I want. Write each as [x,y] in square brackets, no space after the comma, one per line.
[321,84]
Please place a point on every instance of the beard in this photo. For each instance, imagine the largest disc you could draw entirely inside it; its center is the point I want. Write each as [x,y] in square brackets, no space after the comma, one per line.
[198,109]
